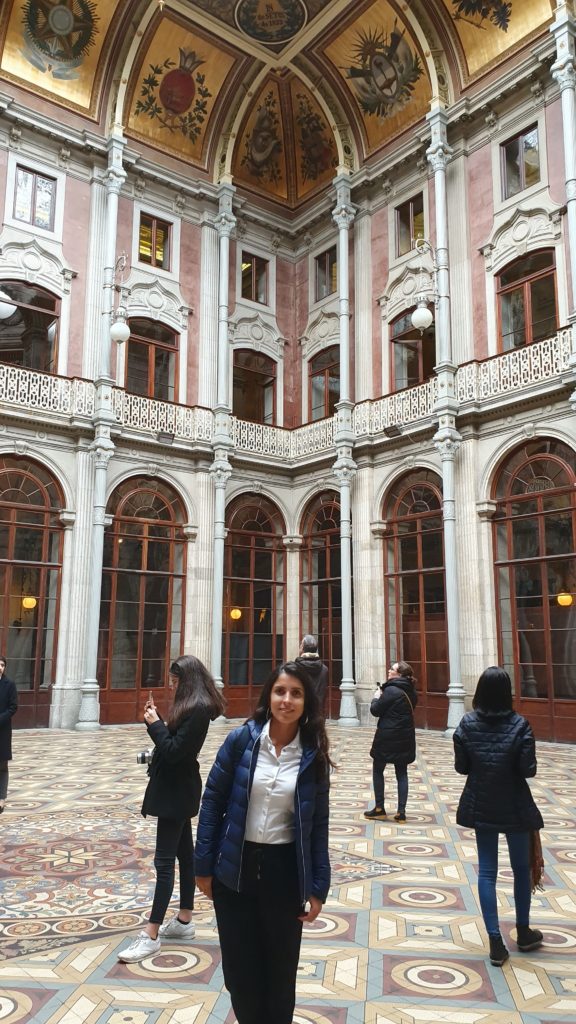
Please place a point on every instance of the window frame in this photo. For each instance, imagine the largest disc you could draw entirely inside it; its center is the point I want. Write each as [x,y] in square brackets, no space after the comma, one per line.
[151,210]
[56,312]
[155,221]
[525,283]
[325,373]
[152,346]
[409,203]
[420,341]
[35,167]
[273,375]
[328,268]
[505,194]
[253,257]
[31,222]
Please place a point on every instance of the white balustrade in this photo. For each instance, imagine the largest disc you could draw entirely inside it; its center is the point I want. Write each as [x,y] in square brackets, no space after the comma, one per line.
[407,406]
[23,389]
[515,371]
[152,416]
[260,439]
[312,438]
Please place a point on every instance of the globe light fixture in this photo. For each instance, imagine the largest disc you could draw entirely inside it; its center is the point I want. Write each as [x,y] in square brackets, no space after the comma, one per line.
[120,332]
[7,307]
[29,603]
[564,599]
[235,613]
[422,316]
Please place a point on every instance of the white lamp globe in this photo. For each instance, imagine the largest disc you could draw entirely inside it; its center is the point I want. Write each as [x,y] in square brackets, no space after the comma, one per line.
[7,306]
[120,332]
[422,317]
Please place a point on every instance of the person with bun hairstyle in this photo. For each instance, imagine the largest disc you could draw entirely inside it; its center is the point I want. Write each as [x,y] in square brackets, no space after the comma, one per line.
[494,747]
[262,844]
[395,738]
[173,797]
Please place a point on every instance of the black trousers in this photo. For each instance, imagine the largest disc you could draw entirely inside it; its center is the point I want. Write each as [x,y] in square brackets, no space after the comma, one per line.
[260,934]
[173,840]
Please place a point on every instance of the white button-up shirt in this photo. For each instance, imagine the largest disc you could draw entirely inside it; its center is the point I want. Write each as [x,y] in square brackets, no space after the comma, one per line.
[270,817]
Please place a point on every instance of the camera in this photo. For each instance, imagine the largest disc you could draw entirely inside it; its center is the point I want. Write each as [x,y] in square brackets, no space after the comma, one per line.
[145,756]
[380,686]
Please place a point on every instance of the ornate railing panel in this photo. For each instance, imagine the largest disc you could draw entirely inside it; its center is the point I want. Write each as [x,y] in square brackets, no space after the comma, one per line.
[30,389]
[260,439]
[407,406]
[152,416]
[312,438]
[517,370]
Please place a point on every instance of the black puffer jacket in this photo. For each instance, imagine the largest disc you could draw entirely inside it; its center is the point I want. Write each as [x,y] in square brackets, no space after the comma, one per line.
[318,672]
[395,737]
[497,752]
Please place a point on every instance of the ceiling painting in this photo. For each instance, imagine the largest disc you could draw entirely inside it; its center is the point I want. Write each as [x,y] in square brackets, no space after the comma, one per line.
[260,158]
[272,23]
[383,70]
[55,45]
[316,154]
[489,28]
[175,89]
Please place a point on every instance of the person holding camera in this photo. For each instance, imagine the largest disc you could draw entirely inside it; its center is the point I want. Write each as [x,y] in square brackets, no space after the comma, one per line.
[173,797]
[395,738]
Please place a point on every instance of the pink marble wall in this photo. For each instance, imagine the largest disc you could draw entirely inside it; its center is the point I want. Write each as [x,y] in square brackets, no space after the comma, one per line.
[75,239]
[190,250]
[481,215]
[380,270]
[286,320]
[557,177]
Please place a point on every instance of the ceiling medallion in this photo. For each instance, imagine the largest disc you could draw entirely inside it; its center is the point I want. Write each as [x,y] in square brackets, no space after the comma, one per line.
[271,21]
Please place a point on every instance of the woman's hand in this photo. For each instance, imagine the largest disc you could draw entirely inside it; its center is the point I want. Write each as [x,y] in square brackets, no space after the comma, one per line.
[150,714]
[204,883]
[315,908]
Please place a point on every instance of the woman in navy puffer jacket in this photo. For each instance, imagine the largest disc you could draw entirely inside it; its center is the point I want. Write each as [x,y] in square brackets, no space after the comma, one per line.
[262,844]
[494,747]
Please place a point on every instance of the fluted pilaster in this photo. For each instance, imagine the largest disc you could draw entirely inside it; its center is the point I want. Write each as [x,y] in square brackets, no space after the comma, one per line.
[368,594]
[208,354]
[363,306]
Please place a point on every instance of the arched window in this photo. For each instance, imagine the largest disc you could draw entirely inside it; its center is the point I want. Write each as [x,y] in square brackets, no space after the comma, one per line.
[415,601]
[413,355]
[142,603]
[29,319]
[527,300]
[321,587]
[254,599]
[152,360]
[254,387]
[31,538]
[535,564]
[324,387]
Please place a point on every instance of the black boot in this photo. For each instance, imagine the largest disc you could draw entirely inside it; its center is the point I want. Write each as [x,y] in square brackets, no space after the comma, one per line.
[528,938]
[498,952]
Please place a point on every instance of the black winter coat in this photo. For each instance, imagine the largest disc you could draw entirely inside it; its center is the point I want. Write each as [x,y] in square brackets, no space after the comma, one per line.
[497,752]
[175,785]
[8,707]
[395,737]
[318,672]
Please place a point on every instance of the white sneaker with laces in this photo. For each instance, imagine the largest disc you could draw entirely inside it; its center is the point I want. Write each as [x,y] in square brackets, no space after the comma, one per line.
[142,947]
[175,929]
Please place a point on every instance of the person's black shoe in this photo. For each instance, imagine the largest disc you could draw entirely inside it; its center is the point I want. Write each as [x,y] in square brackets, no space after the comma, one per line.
[498,952]
[400,816]
[375,813]
[528,938]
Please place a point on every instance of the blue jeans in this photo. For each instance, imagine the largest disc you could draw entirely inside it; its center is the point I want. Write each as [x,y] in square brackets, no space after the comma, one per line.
[519,850]
[401,779]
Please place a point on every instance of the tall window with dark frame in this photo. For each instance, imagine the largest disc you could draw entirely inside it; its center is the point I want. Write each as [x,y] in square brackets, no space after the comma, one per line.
[413,354]
[326,266]
[321,587]
[415,601]
[527,300]
[254,386]
[34,198]
[534,537]
[254,607]
[255,278]
[520,160]
[409,224]
[31,546]
[142,602]
[154,238]
[324,383]
[152,360]
[29,321]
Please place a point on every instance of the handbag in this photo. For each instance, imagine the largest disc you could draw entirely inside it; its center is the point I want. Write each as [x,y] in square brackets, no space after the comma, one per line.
[536,861]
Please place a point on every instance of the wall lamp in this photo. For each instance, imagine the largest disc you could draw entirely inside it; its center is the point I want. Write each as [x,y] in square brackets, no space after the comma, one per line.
[422,316]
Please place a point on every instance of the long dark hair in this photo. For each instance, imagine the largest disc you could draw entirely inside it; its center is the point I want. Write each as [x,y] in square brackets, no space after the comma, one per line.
[407,672]
[312,728]
[196,689]
[493,691]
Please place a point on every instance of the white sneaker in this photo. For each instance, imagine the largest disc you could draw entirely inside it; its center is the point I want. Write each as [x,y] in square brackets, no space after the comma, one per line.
[142,947]
[175,929]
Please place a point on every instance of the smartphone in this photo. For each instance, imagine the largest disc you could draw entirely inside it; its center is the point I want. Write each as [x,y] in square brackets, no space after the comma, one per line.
[150,697]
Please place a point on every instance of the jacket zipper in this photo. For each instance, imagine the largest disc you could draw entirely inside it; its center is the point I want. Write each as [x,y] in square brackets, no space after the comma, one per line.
[301,842]
[244,833]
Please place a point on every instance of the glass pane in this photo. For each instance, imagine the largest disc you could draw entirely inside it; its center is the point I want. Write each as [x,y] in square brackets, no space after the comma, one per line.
[513,315]
[261,280]
[23,195]
[162,252]
[45,190]
[543,298]
[406,364]
[247,276]
[531,158]
[129,553]
[525,538]
[318,401]
[145,240]
[408,554]
[137,368]
[559,535]
[432,554]
[403,229]
[512,172]
[164,375]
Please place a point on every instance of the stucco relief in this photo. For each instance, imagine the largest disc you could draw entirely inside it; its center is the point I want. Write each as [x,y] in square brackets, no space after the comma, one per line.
[404,284]
[322,330]
[257,333]
[34,263]
[520,231]
[154,301]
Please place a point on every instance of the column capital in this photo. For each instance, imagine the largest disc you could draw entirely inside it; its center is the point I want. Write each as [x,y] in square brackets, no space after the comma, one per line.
[293,542]
[345,470]
[190,531]
[67,518]
[220,471]
[447,445]
[343,216]
[485,510]
[564,72]
[225,223]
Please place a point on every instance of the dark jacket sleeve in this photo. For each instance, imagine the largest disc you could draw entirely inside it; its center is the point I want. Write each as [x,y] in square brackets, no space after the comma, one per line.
[186,742]
[12,707]
[527,755]
[213,808]
[319,842]
[380,705]
[461,756]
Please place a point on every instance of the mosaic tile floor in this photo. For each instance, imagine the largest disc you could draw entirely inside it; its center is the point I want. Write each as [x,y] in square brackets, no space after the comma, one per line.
[400,940]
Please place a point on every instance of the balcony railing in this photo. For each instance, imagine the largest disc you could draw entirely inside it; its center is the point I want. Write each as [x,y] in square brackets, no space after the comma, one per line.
[24,389]
[154,417]
[407,406]
[515,371]
[278,442]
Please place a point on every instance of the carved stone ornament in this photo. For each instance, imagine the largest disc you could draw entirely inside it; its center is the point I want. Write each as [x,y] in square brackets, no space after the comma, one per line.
[521,230]
[258,332]
[154,300]
[447,448]
[322,331]
[405,283]
[35,263]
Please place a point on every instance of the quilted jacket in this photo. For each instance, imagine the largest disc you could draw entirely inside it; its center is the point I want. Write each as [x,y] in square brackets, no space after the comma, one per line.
[395,736]
[497,752]
[222,822]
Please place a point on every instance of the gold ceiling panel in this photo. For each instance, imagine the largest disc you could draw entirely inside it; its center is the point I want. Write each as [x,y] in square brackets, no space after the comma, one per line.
[488,29]
[260,157]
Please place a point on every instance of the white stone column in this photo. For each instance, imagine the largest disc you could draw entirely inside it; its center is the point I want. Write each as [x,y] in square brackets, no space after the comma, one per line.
[292,545]
[198,622]
[447,447]
[94,277]
[221,473]
[58,698]
[225,223]
[208,340]
[363,305]
[368,594]
[563,70]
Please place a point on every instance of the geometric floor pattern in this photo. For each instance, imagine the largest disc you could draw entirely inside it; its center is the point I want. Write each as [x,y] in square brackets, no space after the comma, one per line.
[400,939]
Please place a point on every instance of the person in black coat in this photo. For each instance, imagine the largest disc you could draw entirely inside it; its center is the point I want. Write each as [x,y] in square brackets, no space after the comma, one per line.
[8,707]
[312,663]
[395,738]
[494,747]
[173,797]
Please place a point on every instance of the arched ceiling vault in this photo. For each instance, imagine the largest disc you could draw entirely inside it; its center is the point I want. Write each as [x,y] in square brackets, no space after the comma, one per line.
[277,95]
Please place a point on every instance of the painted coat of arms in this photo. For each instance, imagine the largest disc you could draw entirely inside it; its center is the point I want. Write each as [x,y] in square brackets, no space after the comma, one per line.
[58,34]
[176,95]
[476,12]
[384,72]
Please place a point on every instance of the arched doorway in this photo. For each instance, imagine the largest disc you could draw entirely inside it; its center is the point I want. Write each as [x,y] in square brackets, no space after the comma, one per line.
[534,533]
[321,588]
[414,588]
[254,609]
[142,604]
[31,539]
